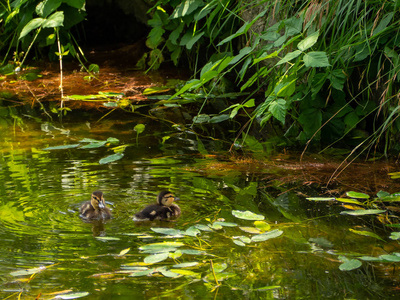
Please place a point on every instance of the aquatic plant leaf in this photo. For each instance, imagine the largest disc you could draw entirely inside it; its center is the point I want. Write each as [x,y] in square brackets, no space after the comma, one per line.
[391,257]
[112,140]
[347,200]
[111,158]
[193,252]
[187,273]
[203,227]
[239,243]
[395,236]
[267,288]
[186,264]
[370,258]
[349,265]
[62,147]
[175,254]
[27,271]
[72,295]
[107,238]
[225,224]
[215,226]
[266,236]
[394,175]
[219,276]
[110,104]
[219,267]
[93,145]
[160,250]
[168,231]
[192,231]
[161,245]
[142,273]
[362,212]
[123,252]
[139,128]
[261,225]
[366,233]
[357,195]
[247,215]
[155,258]
[170,274]
[87,140]
[252,230]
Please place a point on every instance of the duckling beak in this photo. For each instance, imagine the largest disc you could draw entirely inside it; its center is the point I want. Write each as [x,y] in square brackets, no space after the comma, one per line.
[101,205]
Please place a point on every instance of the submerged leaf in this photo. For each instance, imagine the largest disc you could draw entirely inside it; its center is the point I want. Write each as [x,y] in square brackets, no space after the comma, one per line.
[391,257]
[247,215]
[187,273]
[94,145]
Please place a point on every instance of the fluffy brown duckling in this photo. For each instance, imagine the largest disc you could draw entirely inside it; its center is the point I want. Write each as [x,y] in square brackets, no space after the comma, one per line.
[163,210]
[96,208]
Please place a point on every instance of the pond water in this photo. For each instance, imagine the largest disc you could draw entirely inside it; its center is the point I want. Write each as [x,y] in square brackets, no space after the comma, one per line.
[47,251]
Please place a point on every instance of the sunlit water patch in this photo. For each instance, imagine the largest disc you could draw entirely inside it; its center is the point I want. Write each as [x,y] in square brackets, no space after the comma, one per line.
[234,238]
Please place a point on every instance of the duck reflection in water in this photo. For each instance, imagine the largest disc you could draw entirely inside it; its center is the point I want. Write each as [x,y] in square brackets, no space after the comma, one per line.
[96,212]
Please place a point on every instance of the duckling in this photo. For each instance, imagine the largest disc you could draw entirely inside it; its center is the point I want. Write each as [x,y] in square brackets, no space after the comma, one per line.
[96,208]
[163,210]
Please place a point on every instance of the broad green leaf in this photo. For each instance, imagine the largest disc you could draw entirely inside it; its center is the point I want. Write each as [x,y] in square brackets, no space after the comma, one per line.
[155,258]
[139,128]
[169,274]
[55,20]
[203,227]
[383,23]
[189,40]
[308,42]
[278,109]
[175,254]
[261,225]
[395,236]
[111,158]
[193,252]
[31,25]
[347,200]
[186,265]
[186,8]
[93,145]
[62,147]
[349,264]
[46,7]
[155,37]
[357,195]
[366,233]
[316,59]
[239,243]
[192,231]
[72,295]
[123,252]
[288,57]
[215,226]
[252,230]
[110,104]
[156,250]
[320,198]
[391,257]
[219,267]
[247,215]
[266,236]
[142,273]
[161,245]
[76,3]
[168,231]
[362,212]
[113,140]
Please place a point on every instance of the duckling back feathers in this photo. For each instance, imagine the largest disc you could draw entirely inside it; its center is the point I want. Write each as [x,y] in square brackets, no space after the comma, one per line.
[164,209]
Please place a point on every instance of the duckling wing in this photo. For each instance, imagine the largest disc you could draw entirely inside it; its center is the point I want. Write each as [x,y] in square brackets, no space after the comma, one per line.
[85,208]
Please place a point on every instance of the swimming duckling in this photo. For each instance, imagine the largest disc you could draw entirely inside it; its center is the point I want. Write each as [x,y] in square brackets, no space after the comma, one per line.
[96,208]
[164,209]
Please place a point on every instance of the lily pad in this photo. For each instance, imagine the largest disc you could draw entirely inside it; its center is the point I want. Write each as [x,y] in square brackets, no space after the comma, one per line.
[349,264]
[247,215]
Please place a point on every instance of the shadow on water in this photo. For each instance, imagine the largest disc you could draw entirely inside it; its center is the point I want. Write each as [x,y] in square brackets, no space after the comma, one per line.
[289,248]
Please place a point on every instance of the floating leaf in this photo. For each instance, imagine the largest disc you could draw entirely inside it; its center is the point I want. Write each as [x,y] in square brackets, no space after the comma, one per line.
[155,258]
[225,224]
[362,212]
[186,264]
[192,252]
[111,158]
[349,264]
[107,238]
[216,226]
[266,236]
[139,128]
[247,215]
[72,295]
[391,257]
[347,200]
[187,273]
[87,140]
[62,147]
[27,271]
[170,274]
[320,199]
[142,273]
[175,254]
[192,231]
[113,140]
[168,231]
[263,226]
[357,195]
[123,252]
[395,236]
[239,243]
[252,230]
[161,246]
[93,145]
[366,233]
[110,104]
[203,227]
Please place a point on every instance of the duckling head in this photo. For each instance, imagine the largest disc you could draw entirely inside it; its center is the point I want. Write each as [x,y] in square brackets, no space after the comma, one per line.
[97,200]
[166,198]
